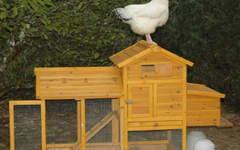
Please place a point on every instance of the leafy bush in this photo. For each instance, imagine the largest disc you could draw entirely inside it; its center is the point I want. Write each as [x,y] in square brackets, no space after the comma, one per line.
[45,33]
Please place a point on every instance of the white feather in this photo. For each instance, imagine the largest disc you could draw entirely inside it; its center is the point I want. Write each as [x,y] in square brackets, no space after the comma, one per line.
[145,18]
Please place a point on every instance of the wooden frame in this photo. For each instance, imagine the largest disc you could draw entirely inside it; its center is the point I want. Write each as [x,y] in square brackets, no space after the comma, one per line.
[11,118]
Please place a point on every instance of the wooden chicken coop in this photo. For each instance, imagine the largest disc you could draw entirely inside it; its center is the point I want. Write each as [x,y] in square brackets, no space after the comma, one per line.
[144,102]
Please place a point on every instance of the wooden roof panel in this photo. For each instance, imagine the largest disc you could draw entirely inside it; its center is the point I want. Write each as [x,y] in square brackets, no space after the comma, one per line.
[200,89]
[139,50]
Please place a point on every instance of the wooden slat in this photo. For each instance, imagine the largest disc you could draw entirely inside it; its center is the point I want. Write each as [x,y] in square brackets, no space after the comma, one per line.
[195,113]
[171,146]
[203,121]
[200,98]
[170,113]
[138,49]
[69,89]
[52,95]
[162,98]
[99,126]
[155,123]
[74,69]
[26,102]
[151,128]
[116,59]
[137,81]
[86,76]
[167,118]
[49,146]
[131,53]
[203,105]
[123,56]
[170,106]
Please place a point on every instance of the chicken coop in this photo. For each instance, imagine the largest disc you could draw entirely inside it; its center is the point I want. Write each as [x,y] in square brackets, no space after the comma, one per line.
[143,102]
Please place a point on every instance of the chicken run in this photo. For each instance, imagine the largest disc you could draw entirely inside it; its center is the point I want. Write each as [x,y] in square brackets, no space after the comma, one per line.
[143,102]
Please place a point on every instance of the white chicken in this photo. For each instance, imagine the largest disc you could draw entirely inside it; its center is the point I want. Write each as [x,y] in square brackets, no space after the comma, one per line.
[145,18]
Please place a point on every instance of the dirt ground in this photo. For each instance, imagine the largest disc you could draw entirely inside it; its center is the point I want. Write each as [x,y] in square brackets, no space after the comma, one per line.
[223,138]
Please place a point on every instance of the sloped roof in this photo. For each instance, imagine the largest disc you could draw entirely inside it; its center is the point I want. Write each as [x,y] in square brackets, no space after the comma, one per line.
[76,82]
[139,50]
[200,89]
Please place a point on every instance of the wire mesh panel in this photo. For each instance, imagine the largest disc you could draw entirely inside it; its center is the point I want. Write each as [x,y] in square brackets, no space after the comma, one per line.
[61,121]
[27,127]
[102,124]
[176,139]
[151,140]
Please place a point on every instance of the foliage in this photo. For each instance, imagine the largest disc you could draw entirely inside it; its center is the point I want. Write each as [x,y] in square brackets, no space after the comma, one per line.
[206,32]
[45,33]
[52,33]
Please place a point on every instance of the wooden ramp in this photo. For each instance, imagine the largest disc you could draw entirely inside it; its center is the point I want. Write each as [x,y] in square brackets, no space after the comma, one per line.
[225,123]
[99,126]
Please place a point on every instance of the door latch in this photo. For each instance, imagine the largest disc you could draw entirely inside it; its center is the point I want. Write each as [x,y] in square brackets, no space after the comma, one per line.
[128,101]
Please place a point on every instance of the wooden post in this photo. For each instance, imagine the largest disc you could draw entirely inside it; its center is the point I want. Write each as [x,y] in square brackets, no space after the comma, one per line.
[83,124]
[169,135]
[125,110]
[78,120]
[43,116]
[115,122]
[184,126]
[11,119]
[37,85]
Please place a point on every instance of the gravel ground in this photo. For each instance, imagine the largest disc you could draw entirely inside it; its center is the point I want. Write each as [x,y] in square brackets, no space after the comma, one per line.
[223,138]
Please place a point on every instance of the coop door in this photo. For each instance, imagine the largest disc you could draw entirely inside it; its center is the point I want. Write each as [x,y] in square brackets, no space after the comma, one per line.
[26,125]
[140,100]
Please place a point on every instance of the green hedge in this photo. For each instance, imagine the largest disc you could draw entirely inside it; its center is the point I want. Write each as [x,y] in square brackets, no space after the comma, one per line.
[52,33]
[207,32]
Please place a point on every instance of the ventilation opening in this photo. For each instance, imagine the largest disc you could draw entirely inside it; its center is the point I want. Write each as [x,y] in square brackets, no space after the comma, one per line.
[148,68]
[153,70]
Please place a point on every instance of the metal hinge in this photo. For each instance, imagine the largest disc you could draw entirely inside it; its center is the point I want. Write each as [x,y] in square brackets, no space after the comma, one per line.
[128,101]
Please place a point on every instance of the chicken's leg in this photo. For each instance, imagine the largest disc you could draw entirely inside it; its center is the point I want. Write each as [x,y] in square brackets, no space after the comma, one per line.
[149,39]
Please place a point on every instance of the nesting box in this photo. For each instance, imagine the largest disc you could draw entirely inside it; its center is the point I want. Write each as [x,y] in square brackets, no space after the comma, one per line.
[143,102]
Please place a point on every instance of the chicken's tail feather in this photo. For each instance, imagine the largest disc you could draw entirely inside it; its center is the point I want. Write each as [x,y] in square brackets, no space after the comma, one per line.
[121,13]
